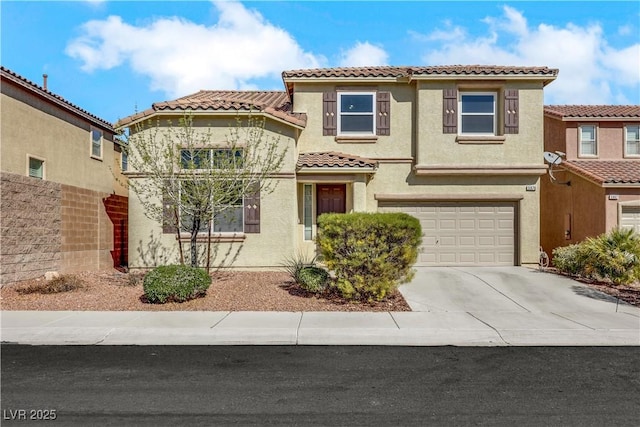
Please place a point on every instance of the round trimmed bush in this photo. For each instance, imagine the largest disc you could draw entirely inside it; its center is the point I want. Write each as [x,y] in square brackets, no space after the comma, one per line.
[175,283]
[313,279]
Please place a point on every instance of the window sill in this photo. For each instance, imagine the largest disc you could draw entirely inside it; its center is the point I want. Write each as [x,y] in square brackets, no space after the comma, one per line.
[471,139]
[363,139]
[96,158]
[215,237]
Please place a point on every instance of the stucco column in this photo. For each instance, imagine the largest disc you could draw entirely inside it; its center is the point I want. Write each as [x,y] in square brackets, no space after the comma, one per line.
[360,194]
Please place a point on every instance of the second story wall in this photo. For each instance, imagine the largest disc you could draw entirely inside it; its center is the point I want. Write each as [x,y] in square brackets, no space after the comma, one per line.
[32,127]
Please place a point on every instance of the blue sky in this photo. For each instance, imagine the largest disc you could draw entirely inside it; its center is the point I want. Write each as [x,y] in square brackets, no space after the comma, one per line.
[114,58]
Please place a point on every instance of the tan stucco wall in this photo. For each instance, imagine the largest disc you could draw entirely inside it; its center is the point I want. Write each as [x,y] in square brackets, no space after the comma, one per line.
[65,147]
[149,247]
[308,99]
[436,147]
[278,213]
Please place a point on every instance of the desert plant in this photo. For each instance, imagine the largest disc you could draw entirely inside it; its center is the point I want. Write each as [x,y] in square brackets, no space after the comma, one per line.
[313,279]
[370,253]
[63,283]
[614,256]
[294,264]
[175,283]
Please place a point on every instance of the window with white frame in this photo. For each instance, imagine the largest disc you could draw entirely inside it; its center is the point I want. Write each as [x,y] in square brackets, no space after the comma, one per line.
[588,140]
[477,113]
[36,167]
[196,205]
[632,140]
[308,211]
[124,161]
[356,113]
[96,143]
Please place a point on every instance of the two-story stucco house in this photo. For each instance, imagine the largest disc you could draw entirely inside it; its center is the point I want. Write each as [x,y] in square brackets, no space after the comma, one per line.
[596,185]
[63,208]
[459,147]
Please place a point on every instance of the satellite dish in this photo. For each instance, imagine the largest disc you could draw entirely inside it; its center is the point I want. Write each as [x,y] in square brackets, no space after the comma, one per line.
[552,158]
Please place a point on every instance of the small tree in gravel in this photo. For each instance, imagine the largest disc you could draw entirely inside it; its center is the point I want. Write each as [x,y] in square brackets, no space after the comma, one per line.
[198,180]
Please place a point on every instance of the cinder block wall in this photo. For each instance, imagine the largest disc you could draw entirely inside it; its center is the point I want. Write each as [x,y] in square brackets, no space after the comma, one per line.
[31,232]
[48,226]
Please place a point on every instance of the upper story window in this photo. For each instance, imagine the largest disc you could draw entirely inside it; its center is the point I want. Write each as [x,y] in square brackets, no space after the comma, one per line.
[96,143]
[124,161]
[632,140]
[36,167]
[588,140]
[477,113]
[211,158]
[356,113]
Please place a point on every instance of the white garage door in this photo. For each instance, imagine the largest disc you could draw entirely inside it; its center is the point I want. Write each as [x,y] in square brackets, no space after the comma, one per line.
[630,217]
[463,233]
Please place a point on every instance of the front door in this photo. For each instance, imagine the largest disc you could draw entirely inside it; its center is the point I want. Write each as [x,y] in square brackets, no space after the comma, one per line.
[331,198]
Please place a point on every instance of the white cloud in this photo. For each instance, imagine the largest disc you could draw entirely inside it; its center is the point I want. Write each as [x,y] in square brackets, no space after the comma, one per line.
[591,71]
[364,54]
[182,57]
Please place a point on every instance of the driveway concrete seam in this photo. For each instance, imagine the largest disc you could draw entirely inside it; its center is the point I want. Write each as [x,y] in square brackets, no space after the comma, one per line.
[491,326]
[394,319]
[218,322]
[71,314]
[489,285]
[574,321]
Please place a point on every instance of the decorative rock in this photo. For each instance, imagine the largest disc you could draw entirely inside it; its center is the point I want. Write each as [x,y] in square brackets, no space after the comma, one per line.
[50,275]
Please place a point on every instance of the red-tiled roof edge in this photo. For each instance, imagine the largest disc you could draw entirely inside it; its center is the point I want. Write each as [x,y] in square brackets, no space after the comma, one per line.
[52,97]
[582,172]
[408,71]
[244,104]
[617,175]
[330,154]
[593,111]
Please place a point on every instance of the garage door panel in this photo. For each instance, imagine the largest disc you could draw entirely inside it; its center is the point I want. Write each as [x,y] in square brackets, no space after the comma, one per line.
[464,233]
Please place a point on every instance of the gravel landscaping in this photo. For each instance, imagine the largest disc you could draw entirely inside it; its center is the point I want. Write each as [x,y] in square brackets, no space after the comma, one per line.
[229,291]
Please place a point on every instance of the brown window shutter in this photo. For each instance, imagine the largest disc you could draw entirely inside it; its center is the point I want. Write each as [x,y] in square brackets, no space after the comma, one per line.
[169,225]
[329,113]
[252,210]
[383,121]
[511,111]
[449,111]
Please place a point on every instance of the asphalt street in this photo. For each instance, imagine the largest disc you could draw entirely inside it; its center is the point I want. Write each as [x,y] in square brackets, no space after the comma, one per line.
[319,385]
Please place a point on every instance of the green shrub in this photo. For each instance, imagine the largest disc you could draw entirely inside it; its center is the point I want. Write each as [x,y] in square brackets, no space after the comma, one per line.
[569,259]
[63,283]
[296,263]
[313,279]
[370,253]
[175,283]
[613,256]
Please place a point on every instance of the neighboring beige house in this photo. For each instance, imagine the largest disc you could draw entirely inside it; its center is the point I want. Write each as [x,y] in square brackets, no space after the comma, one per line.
[62,209]
[459,147]
[597,183]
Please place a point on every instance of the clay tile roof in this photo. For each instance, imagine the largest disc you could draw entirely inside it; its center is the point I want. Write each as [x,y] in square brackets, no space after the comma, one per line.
[51,97]
[407,71]
[606,171]
[274,103]
[593,111]
[332,159]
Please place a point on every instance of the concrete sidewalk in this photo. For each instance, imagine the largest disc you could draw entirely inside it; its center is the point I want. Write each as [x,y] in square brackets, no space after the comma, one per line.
[462,306]
[322,328]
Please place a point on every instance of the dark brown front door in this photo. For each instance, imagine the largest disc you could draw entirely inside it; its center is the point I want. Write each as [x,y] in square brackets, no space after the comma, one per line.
[331,198]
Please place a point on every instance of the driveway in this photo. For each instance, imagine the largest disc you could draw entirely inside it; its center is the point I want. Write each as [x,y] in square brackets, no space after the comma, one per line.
[518,301]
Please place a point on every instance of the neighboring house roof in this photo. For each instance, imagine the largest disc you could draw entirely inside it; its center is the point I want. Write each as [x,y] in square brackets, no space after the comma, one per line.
[606,171]
[607,112]
[52,98]
[272,103]
[332,159]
